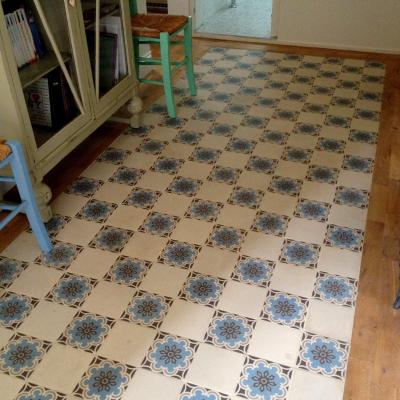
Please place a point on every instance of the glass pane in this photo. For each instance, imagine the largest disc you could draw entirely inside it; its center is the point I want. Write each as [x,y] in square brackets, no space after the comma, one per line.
[108,62]
[39,31]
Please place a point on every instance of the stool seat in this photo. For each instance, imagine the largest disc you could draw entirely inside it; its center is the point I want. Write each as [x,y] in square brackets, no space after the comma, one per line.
[152,25]
[5,150]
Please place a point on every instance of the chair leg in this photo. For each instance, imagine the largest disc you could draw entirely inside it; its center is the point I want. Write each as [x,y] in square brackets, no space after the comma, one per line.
[25,190]
[189,57]
[166,70]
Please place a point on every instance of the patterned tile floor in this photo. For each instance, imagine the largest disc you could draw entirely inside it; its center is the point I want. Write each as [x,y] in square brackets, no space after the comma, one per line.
[210,257]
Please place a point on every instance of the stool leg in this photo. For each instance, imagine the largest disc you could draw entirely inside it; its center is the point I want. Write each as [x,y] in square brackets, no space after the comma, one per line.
[189,57]
[167,78]
[25,190]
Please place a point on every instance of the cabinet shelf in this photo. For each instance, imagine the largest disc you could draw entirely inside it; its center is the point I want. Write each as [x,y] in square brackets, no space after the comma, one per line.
[32,72]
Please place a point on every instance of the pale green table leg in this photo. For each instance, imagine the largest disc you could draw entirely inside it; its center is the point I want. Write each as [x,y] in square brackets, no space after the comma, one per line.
[189,58]
[167,78]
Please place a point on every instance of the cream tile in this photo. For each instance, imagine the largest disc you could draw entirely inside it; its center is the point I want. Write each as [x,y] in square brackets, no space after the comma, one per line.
[23,248]
[246,132]
[127,343]
[233,160]
[126,142]
[177,150]
[10,386]
[260,245]
[304,141]
[236,216]
[356,180]
[68,204]
[140,160]
[195,170]
[113,192]
[155,181]
[47,321]
[291,169]
[214,141]
[318,191]
[340,262]
[127,217]
[209,368]
[327,159]
[164,279]
[192,231]
[240,298]
[282,346]
[335,132]
[187,320]
[117,298]
[268,150]
[162,132]
[254,180]
[172,204]
[280,125]
[78,231]
[365,125]
[306,231]
[197,125]
[100,170]
[214,191]
[361,149]
[5,335]
[348,216]
[55,373]
[144,246]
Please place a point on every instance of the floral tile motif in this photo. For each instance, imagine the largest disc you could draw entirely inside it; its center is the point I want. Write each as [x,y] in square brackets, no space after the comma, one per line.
[267,102]
[96,211]
[188,137]
[71,290]
[348,84]
[21,355]
[191,392]
[143,131]
[367,114]
[167,165]
[179,254]
[322,174]
[351,197]
[159,224]
[306,128]
[226,238]
[222,129]
[205,155]
[33,392]
[295,96]
[206,115]
[358,164]
[335,289]
[344,238]
[85,187]
[147,309]
[285,186]
[204,210]
[176,123]
[111,239]
[262,165]
[191,102]
[246,197]
[128,271]
[332,145]
[323,90]
[343,102]
[249,91]
[185,186]
[126,176]
[312,210]
[142,198]
[253,271]
[323,355]
[370,96]
[263,380]
[300,253]
[240,109]
[297,154]
[270,223]
[114,156]
[285,309]
[170,355]
[250,121]
[10,270]
[337,121]
[151,146]
[224,175]
[14,308]
[61,256]
[278,85]
[363,136]
[158,108]
[104,380]
[86,331]
[202,289]
[230,331]
[315,108]
[286,115]
[55,225]
[275,137]
[239,145]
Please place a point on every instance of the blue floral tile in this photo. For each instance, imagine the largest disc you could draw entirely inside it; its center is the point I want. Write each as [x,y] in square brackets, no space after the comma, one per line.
[240,109]
[375,64]
[303,79]
[224,175]
[253,271]
[334,60]
[191,102]
[352,69]
[344,238]
[202,289]
[61,256]
[184,186]
[295,96]
[147,309]
[351,197]
[297,154]
[10,270]
[300,253]
[20,356]
[262,165]
[175,123]
[337,121]
[111,239]
[239,145]
[167,165]
[348,84]
[86,331]
[310,65]
[192,392]
[358,164]
[226,238]
[335,289]
[33,392]
[233,80]
[220,129]
[250,121]
[55,225]
[143,131]
[322,174]
[285,309]
[128,271]
[267,102]
[96,211]
[206,85]
[204,210]
[363,136]
[249,91]
[275,137]
[286,115]
[188,137]
[370,96]
[104,380]
[285,186]
[159,224]
[179,254]
[312,210]
[142,198]
[220,97]
[343,102]
[373,79]
[205,155]
[270,223]
[277,85]
[367,115]
[114,156]
[158,108]
[14,308]
[152,146]
[206,115]
[323,355]
[85,187]
[263,380]
[246,197]
[323,90]
[307,128]
[71,290]
[332,145]
[230,331]
[328,74]
[170,355]
[126,176]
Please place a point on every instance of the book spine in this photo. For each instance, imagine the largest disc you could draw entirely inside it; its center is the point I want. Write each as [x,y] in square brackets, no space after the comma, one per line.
[35,34]
[20,39]
[27,33]
[14,40]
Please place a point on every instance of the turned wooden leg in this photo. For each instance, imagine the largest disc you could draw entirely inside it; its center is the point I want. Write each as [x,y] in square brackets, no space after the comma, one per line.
[43,196]
[135,108]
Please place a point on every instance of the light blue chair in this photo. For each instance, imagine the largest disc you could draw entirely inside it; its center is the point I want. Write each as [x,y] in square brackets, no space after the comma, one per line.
[11,154]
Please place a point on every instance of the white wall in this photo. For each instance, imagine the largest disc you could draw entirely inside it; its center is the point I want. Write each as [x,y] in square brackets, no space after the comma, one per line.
[354,24]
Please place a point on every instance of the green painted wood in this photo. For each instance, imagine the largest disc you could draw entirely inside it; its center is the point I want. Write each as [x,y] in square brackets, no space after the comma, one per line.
[133,7]
[189,57]
[167,78]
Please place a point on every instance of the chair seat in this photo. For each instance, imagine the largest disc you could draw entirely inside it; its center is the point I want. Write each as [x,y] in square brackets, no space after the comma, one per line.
[5,150]
[151,25]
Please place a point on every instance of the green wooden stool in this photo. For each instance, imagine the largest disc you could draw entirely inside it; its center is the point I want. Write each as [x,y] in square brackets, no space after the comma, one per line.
[162,29]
